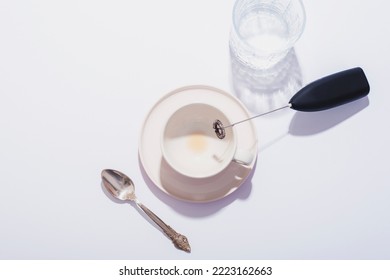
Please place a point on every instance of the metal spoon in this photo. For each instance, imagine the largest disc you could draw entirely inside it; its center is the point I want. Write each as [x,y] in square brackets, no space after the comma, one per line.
[121,187]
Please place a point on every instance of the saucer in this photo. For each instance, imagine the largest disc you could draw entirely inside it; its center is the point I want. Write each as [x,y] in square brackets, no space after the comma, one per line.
[180,186]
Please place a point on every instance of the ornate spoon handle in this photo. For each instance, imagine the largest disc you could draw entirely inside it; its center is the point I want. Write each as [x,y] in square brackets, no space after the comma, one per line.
[179,240]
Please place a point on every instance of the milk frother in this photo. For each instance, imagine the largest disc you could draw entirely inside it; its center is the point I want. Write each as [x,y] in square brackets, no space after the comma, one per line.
[325,93]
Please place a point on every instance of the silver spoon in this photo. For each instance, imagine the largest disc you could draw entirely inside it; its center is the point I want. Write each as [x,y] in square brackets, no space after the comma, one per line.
[121,187]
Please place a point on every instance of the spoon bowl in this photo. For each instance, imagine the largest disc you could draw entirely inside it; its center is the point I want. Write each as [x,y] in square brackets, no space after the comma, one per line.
[118,184]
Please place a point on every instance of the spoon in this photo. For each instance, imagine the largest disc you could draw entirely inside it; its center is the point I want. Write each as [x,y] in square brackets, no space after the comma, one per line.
[121,187]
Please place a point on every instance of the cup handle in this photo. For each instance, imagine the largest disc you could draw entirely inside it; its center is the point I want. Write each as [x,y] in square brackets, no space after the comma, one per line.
[244,157]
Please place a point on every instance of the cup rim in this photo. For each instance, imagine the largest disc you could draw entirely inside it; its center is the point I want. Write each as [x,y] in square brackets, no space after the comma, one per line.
[223,166]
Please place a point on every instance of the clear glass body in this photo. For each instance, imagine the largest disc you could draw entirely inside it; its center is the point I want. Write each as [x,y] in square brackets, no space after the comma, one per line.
[263,31]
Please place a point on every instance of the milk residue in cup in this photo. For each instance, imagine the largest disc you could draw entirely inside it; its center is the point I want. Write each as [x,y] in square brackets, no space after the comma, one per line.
[196,152]
[197,142]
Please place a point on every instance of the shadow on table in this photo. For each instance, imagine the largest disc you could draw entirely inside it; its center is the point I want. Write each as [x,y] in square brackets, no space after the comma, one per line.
[310,123]
[262,90]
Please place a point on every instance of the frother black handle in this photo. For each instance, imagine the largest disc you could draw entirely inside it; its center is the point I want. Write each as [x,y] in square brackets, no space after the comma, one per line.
[331,91]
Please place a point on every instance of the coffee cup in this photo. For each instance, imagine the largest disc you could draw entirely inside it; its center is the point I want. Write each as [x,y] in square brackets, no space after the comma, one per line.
[190,146]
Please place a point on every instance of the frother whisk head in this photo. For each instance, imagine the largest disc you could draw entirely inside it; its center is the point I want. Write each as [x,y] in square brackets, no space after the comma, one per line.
[219,129]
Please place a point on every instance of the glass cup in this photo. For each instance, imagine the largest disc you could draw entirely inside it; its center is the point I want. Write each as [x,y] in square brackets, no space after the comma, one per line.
[264,31]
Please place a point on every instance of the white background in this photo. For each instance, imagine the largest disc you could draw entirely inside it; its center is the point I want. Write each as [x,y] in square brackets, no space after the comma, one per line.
[77,79]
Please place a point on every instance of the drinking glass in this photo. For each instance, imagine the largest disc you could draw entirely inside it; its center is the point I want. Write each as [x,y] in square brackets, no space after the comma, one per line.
[264,31]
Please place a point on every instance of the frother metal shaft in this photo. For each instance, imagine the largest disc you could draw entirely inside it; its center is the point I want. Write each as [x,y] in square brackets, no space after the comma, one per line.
[262,114]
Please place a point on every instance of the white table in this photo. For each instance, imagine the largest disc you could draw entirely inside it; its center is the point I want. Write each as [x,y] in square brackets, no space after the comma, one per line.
[76,81]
